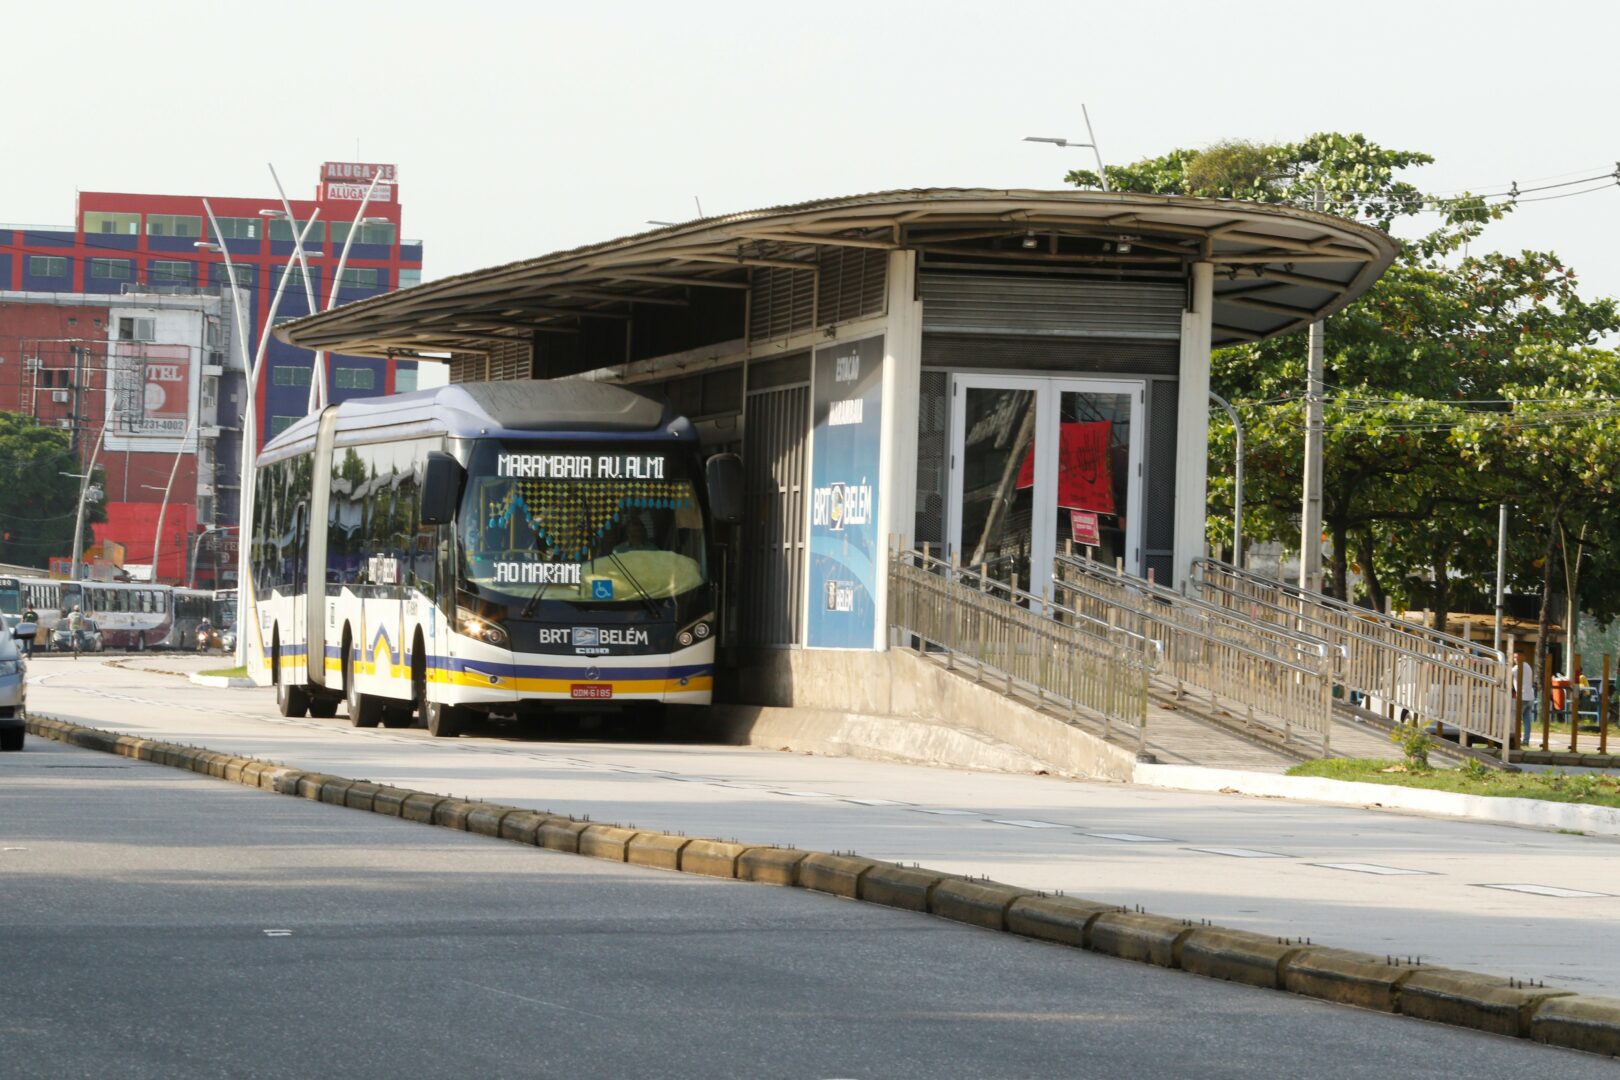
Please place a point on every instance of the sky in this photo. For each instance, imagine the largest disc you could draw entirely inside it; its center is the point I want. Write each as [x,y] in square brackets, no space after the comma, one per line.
[525,128]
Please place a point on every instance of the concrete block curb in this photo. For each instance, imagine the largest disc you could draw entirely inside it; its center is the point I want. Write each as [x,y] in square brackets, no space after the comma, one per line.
[1458,998]
[1346,977]
[1236,956]
[1579,1023]
[485,818]
[522,826]
[606,842]
[1133,935]
[1065,920]
[219,682]
[836,874]
[977,903]
[656,849]
[562,834]
[770,866]
[899,886]
[712,858]
[452,814]
[1467,999]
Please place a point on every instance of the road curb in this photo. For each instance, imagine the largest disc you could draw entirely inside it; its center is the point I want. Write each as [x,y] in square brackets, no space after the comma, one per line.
[1457,998]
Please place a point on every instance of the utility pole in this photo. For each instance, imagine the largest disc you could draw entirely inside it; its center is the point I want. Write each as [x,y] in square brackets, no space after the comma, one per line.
[1310,526]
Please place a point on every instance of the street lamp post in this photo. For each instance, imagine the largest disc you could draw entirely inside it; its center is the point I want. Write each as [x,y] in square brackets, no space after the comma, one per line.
[250,415]
[163,507]
[84,490]
[1237,479]
[317,385]
[1102,173]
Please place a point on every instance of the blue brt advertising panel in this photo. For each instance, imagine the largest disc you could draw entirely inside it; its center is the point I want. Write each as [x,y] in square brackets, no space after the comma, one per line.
[845,548]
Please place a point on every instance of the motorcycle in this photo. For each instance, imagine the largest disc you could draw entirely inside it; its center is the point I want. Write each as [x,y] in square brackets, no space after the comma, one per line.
[206,639]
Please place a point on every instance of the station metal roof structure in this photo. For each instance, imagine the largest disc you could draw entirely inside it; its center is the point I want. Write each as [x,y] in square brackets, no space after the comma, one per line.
[1277,267]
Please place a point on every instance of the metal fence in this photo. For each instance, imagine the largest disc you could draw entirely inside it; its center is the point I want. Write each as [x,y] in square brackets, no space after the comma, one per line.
[1060,657]
[1277,677]
[1414,673]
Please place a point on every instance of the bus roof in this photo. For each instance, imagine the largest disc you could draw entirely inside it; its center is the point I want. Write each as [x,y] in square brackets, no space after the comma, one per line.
[525,408]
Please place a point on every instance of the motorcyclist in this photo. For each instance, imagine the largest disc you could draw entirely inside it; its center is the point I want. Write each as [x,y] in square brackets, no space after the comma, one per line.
[205,634]
[31,617]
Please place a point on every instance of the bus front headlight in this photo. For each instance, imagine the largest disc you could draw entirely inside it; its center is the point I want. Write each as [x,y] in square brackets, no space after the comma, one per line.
[480,629]
[697,630]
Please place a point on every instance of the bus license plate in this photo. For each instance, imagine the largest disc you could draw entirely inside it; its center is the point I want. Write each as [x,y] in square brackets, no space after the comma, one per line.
[590,690]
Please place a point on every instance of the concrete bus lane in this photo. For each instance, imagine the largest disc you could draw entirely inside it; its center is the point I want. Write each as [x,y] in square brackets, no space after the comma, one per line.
[1490,898]
[163,924]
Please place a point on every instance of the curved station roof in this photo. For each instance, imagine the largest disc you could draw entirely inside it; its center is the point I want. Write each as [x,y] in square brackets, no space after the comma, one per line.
[1277,268]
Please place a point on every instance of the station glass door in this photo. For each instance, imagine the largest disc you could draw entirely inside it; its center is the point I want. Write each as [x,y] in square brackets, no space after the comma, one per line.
[1036,462]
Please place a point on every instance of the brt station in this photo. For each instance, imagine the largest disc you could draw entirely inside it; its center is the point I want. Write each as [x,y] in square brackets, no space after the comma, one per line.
[973,430]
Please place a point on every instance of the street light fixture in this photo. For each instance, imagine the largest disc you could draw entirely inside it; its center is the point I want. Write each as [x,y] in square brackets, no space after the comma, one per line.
[1102,173]
[317,385]
[196,548]
[84,491]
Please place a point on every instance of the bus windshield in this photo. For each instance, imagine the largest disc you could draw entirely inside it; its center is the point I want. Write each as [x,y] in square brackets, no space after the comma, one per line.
[10,596]
[597,524]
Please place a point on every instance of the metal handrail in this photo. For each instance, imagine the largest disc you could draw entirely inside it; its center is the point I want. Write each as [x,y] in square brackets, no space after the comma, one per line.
[1280,678]
[1429,676]
[1061,657]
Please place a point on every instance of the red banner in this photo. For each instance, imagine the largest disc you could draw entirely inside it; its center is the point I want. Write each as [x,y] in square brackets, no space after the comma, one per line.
[1085,480]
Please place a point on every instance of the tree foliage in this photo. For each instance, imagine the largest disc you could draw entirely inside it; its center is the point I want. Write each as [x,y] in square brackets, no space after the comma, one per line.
[1458,381]
[38,510]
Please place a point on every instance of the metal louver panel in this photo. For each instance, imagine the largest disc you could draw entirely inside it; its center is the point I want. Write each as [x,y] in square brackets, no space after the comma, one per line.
[773,555]
[501,363]
[853,284]
[1029,353]
[1055,307]
[781,302]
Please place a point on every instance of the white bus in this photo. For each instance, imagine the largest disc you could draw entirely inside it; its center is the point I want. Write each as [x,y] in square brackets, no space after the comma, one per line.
[131,615]
[499,548]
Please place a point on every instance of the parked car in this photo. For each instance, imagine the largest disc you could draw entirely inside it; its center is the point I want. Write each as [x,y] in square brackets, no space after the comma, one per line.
[13,693]
[89,637]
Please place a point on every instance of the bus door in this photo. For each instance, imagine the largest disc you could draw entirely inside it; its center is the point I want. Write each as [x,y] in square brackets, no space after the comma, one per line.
[298,631]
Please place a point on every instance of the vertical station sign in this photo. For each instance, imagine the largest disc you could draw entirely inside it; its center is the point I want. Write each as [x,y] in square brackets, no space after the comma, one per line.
[845,548]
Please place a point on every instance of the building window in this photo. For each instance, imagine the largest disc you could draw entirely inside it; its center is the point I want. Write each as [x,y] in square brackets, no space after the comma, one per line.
[358,278]
[171,272]
[219,275]
[295,276]
[135,328]
[404,380]
[379,233]
[183,225]
[288,375]
[351,378]
[278,424]
[238,228]
[407,278]
[279,230]
[121,224]
[47,266]
[112,269]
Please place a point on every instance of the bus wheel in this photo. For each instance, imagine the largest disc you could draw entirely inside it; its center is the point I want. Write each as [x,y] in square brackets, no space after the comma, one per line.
[443,721]
[364,710]
[323,708]
[396,715]
[290,700]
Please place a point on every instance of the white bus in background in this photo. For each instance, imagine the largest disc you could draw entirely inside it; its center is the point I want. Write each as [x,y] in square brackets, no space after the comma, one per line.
[506,548]
[130,615]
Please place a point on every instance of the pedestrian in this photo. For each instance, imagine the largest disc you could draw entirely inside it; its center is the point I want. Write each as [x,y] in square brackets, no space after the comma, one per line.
[30,623]
[1524,677]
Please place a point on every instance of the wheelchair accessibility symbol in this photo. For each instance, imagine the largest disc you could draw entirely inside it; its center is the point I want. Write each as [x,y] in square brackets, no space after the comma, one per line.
[601,590]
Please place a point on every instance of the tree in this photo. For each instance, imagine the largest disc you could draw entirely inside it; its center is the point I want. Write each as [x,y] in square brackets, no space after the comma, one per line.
[1441,336]
[40,504]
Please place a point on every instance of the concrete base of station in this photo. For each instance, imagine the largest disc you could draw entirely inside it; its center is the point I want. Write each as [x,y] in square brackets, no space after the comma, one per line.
[897,705]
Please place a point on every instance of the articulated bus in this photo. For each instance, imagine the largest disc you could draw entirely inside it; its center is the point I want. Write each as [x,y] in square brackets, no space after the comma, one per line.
[510,548]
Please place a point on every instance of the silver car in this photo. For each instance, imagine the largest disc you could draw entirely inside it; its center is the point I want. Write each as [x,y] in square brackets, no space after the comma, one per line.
[13,693]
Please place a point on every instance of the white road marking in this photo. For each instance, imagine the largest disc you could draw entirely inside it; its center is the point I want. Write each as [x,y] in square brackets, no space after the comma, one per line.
[1240,852]
[946,813]
[876,802]
[1029,823]
[1548,890]
[1131,838]
[1372,868]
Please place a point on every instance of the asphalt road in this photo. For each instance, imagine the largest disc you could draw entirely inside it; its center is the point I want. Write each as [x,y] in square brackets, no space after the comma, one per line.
[1448,891]
[161,924]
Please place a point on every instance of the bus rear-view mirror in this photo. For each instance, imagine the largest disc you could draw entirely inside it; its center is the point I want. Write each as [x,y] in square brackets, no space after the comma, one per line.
[441,488]
[725,477]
